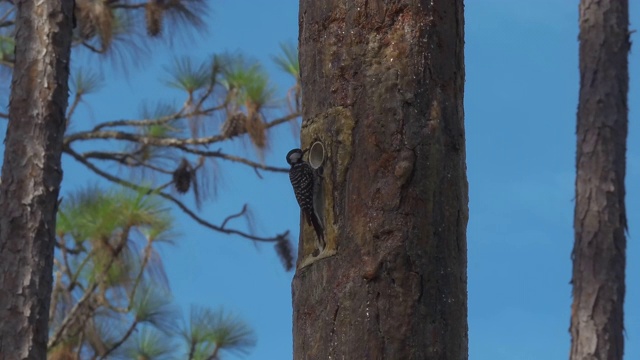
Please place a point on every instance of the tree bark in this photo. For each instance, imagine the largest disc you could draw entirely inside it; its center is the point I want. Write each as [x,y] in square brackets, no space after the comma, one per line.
[31,174]
[382,85]
[600,217]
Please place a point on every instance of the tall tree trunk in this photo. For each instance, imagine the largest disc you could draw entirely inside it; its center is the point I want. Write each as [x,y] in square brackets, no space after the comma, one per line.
[382,85]
[31,174]
[600,218]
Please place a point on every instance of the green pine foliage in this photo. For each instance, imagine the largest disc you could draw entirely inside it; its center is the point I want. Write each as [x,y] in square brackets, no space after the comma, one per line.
[111,297]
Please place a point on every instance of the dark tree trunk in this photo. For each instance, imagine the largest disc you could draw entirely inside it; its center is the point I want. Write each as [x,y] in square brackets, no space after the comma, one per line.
[382,85]
[600,219]
[31,175]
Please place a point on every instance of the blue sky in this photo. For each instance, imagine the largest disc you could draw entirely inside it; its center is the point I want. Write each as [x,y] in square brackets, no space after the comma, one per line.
[520,105]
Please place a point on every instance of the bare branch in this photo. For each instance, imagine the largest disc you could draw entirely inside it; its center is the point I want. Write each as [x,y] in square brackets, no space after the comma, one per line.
[206,95]
[124,158]
[73,280]
[3,19]
[192,350]
[161,120]
[57,287]
[143,122]
[145,261]
[65,259]
[57,335]
[73,251]
[234,216]
[129,160]
[214,354]
[171,198]
[124,237]
[202,222]
[93,48]
[128,6]
[8,64]
[124,338]
[149,140]
[72,108]
[233,158]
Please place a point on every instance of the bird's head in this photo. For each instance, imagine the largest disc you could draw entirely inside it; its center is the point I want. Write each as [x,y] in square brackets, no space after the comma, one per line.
[294,156]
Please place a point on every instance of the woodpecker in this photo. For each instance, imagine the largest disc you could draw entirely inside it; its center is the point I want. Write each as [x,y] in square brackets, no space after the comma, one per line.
[302,179]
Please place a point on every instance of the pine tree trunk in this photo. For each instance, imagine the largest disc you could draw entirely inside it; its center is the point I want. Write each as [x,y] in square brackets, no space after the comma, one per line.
[31,174]
[600,218]
[382,85]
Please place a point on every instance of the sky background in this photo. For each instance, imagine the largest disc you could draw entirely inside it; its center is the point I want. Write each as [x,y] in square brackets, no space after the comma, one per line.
[520,103]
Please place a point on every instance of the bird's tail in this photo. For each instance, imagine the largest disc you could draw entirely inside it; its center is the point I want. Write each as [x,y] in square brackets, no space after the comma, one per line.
[312,219]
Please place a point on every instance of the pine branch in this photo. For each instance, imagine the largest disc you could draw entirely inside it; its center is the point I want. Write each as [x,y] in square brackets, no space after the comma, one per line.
[214,354]
[234,216]
[128,6]
[93,48]
[72,108]
[233,158]
[171,198]
[143,266]
[155,141]
[161,120]
[142,122]
[124,338]
[60,331]
[123,158]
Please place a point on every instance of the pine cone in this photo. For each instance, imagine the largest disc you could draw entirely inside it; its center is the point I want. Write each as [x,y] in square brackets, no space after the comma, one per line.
[154,12]
[285,253]
[182,176]
[235,125]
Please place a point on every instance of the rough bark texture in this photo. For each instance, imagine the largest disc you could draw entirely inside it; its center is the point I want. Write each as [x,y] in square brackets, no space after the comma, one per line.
[382,85]
[31,175]
[600,219]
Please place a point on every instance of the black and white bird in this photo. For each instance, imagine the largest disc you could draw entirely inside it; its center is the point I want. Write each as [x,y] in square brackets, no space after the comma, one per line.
[302,179]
